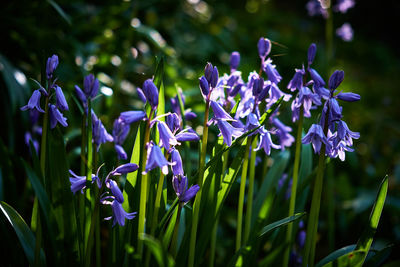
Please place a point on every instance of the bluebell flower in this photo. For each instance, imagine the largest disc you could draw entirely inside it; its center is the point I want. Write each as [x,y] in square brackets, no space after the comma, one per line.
[176,160]
[120,132]
[264,47]
[115,191]
[121,154]
[316,136]
[234,60]
[28,137]
[155,158]
[275,93]
[301,238]
[141,95]
[34,102]
[318,81]
[151,92]
[99,132]
[265,141]
[336,79]
[77,182]
[208,71]
[345,32]
[349,97]
[345,134]
[124,169]
[315,8]
[312,49]
[180,185]
[214,77]
[187,135]
[61,103]
[297,81]
[283,133]
[56,116]
[271,71]
[167,138]
[189,115]
[227,131]
[82,97]
[343,5]
[204,86]
[173,121]
[307,99]
[90,86]
[119,214]
[252,122]
[51,65]
[219,112]
[129,117]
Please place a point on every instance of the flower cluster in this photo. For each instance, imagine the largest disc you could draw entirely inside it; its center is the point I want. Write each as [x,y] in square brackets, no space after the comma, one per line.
[112,195]
[55,111]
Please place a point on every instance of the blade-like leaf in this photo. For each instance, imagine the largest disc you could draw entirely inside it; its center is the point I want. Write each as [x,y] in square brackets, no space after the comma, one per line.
[24,234]
[280,223]
[350,259]
[60,11]
[335,255]
[157,249]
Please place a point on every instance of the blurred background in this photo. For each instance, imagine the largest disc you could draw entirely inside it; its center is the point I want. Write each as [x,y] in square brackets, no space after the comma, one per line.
[119,41]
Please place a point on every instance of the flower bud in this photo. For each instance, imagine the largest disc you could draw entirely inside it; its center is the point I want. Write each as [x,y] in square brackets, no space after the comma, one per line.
[264,47]
[205,88]
[235,60]
[336,79]
[311,53]
[151,92]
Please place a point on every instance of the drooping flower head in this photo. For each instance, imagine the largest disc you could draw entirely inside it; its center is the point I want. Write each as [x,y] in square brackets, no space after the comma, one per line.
[180,185]
[51,65]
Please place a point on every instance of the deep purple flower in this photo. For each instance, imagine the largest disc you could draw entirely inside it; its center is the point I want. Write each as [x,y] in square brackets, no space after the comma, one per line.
[100,134]
[301,238]
[306,98]
[311,53]
[235,60]
[176,159]
[349,97]
[155,158]
[141,95]
[60,99]
[115,191]
[56,116]
[316,136]
[151,92]
[264,47]
[174,122]
[318,81]
[34,102]
[125,168]
[297,81]
[258,86]
[336,79]
[51,65]
[208,70]
[120,131]
[28,137]
[180,185]
[90,86]
[190,115]
[204,86]
[214,77]
[82,97]
[129,117]
[119,214]
[265,141]
[187,135]
[271,71]
[228,131]
[219,112]
[167,138]
[77,182]
[345,134]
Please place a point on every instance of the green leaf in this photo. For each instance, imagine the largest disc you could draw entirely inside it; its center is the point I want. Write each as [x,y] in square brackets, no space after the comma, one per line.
[280,223]
[60,11]
[335,255]
[350,259]
[365,241]
[158,251]
[379,257]
[24,234]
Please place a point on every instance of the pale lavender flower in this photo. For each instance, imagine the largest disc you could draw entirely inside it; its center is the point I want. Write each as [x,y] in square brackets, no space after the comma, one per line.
[34,102]
[343,5]
[345,134]
[265,141]
[180,185]
[297,81]
[219,112]
[56,116]
[345,32]
[270,70]
[315,8]
[119,214]
[283,133]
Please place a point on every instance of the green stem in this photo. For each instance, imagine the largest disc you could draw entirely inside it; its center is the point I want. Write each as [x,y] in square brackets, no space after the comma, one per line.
[174,242]
[196,205]
[143,188]
[241,195]
[250,193]
[94,222]
[292,203]
[89,143]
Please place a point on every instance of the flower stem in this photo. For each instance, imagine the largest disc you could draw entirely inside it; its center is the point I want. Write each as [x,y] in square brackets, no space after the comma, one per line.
[249,206]
[174,242]
[196,205]
[292,203]
[143,188]
[241,196]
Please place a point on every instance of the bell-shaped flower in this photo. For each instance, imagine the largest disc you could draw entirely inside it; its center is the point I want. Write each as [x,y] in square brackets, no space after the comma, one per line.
[60,99]
[336,79]
[187,135]
[90,86]
[264,47]
[252,122]
[234,61]
[151,92]
[272,73]
[214,77]
[125,168]
[155,158]
[120,131]
[266,141]
[180,185]
[167,138]
[176,159]
[219,112]
[129,117]
[77,182]
[297,81]
[173,121]
[56,116]
[120,152]
[204,86]
[208,70]
[306,99]
[115,191]
[51,65]
[316,136]
[34,102]
[141,95]
[345,134]
[119,214]
[227,131]
[99,132]
[283,133]
[312,49]
[318,81]
[349,97]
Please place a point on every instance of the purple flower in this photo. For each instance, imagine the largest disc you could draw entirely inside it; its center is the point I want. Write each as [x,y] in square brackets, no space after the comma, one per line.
[275,93]
[208,70]
[306,98]
[228,131]
[252,122]
[264,47]
[119,214]
[187,135]
[60,99]
[336,79]
[190,115]
[129,117]
[176,159]
[318,81]
[271,72]
[301,238]
[297,81]
[265,141]
[339,150]
[283,133]
[235,60]
[345,134]
[167,138]
[34,102]
[28,137]
[349,97]
[90,86]
[155,158]
[141,95]
[204,86]
[343,5]
[120,131]
[56,116]
[125,168]
[173,121]
[316,136]
[151,92]
[77,182]
[311,53]
[51,65]
[120,152]
[315,8]
[100,134]
[214,77]
[115,191]
[180,185]
[345,32]
[219,112]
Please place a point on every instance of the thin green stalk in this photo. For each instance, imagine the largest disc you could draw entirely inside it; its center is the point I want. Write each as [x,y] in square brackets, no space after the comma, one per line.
[94,222]
[196,205]
[89,168]
[174,242]
[81,197]
[43,151]
[241,196]
[292,203]
[250,193]
[143,188]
